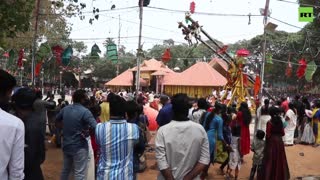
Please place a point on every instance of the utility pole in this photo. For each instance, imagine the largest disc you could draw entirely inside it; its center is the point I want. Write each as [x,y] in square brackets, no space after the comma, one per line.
[119,44]
[139,50]
[34,43]
[265,22]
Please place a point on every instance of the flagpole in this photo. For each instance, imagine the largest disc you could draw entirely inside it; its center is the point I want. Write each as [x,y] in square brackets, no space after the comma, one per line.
[139,51]
[34,43]
[265,21]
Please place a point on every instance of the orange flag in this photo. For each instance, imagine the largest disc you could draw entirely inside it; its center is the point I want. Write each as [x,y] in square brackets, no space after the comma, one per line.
[166,55]
[257,85]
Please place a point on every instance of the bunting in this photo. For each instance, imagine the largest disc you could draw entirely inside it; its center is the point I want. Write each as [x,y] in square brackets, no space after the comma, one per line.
[38,68]
[192,7]
[57,52]
[95,50]
[289,70]
[257,85]
[112,52]
[311,69]
[20,59]
[302,68]
[166,55]
[66,56]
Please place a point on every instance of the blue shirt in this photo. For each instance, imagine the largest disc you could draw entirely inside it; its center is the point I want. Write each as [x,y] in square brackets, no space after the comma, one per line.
[76,120]
[116,139]
[165,115]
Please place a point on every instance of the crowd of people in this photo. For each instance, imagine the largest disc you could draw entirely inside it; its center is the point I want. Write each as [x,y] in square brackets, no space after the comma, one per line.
[106,136]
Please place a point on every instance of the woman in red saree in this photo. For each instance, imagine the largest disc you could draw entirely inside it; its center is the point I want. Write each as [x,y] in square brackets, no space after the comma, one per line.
[274,164]
[244,119]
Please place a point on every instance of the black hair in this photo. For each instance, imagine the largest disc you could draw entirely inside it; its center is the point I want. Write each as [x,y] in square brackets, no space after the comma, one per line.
[216,110]
[317,103]
[236,131]
[38,94]
[117,105]
[165,99]
[260,134]
[291,106]
[24,98]
[96,111]
[180,107]
[247,118]
[265,108]
[131,108]
[7,82]
[140,109]
[202,104]
[231,110]
[79,95]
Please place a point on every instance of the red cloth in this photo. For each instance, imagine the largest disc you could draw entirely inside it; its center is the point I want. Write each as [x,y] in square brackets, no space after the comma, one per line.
[302,68]
[95,146]
[285,105]
[38,69]
[21,55]
[257,86]
[152,116]
[289,70]
[57,51]
[192,7]
[245,135]
[275,165]
[166,55]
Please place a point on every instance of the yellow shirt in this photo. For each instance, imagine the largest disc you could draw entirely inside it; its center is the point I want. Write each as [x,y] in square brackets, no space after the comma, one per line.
[105,112]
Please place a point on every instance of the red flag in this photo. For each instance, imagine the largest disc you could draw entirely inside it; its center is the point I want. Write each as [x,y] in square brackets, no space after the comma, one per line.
[302,68]
[223,49]
[289,70]
[257,86]
[243,53]
[192,7]
[38,69]
[245,80]
[166,55]
[21,55]
[57,51]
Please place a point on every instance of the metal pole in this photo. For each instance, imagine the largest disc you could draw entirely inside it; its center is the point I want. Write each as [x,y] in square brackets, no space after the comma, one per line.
[139,51]
[119,44]
[60,81]
[42,82]
[21,75]
[265,21]
[34,43]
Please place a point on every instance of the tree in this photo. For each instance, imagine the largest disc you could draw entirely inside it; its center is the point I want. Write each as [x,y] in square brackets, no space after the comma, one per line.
[79,46]
[14,17]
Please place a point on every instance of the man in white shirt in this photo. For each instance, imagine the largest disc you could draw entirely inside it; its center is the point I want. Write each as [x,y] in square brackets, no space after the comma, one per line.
[11,134]
[182,148]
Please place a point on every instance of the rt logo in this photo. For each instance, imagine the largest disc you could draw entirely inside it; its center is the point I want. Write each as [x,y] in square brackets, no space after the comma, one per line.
[306,14]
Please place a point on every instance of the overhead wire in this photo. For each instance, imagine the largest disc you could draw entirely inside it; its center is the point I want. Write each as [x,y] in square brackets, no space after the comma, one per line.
[304,4]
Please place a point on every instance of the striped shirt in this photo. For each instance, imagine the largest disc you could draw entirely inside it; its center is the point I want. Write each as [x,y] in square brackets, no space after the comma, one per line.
[116,139]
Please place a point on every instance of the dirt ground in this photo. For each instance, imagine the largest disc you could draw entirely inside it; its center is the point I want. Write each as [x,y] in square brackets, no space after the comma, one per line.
[301,165]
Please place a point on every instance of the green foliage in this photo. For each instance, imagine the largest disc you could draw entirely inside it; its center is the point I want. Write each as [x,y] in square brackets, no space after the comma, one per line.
[14,17]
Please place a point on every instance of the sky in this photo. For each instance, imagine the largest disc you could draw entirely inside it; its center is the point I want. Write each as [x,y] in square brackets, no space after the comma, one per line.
[160,25]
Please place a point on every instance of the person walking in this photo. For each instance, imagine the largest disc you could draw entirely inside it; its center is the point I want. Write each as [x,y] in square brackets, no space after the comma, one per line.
[291,123]
[77,120]
[116,139]
[274,163]
[179,155]
[12,133]
[34,150]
